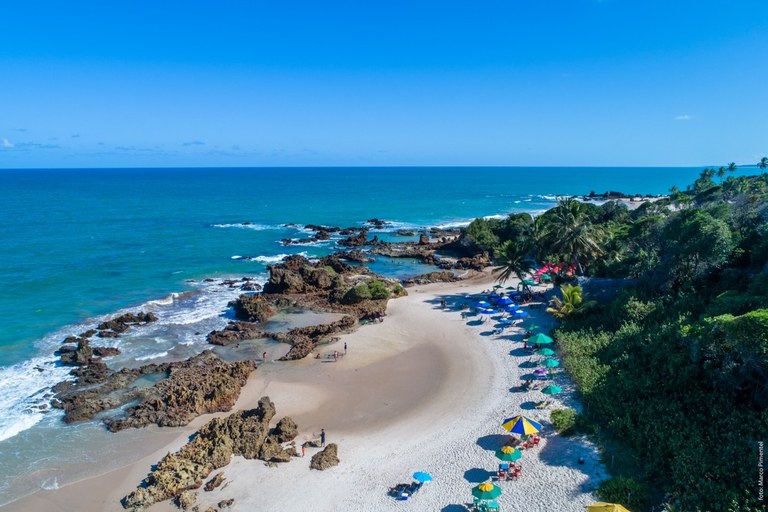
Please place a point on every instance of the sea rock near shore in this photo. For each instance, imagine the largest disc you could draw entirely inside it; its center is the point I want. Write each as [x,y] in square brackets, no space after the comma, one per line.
[361,238]
[253,308]
[242,433]
[233,333]
[444,276]
[123,322]
[188,392]
[327,458]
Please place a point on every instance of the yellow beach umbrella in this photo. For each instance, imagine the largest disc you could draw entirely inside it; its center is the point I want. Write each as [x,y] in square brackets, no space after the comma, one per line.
[601,506]
[521,425]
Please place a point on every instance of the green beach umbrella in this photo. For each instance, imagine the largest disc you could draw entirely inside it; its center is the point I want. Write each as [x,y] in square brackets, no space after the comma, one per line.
[540,339]
[551,363]
[486,491]
[508,454]
[546,352]
[533,327]
[551,390]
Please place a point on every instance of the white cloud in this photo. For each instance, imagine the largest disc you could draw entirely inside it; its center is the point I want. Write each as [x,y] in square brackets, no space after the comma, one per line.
[684,117]
[6,144]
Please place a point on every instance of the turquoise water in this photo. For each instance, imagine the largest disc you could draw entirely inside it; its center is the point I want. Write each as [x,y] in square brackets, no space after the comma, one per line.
[81,244]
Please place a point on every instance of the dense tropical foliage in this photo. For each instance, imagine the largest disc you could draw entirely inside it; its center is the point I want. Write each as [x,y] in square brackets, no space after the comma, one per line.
[673,372]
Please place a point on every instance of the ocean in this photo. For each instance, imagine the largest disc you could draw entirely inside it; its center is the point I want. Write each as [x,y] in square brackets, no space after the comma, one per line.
[80,245]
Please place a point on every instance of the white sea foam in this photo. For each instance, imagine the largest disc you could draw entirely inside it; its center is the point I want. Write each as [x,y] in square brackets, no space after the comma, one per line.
[165,301]
[276,258]
[247,225]
[148,357]
[236,257]
[24,393]
[50,484]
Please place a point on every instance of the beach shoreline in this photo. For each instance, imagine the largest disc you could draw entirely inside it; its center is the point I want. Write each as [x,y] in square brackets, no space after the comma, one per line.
[421,391]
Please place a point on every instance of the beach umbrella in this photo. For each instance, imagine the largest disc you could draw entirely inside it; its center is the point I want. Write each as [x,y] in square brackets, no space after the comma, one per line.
[519,313]
[540,339]
[497,287]
[482,304]
[533,327]
[422,476]
[505,321]
[505,301]
[510,308]
[551,363]
[540,372]
[508,454]
[546,352]
[601,506]
[488,311]
[551,390]
[486,491]
[521,425]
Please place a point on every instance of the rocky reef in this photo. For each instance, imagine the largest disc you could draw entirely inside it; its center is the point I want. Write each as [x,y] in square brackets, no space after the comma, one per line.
[186,389]
[244,433]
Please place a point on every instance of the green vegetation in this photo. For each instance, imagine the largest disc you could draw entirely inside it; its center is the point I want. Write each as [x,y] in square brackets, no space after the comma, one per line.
[563,420]
[378,290]
[357,294]
[673,373]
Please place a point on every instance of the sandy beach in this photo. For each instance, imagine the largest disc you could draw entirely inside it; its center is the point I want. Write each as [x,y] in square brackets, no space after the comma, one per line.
[423,391]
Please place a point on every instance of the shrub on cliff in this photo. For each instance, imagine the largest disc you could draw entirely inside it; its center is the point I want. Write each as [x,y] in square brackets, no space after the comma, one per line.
[378,290]
[357,294]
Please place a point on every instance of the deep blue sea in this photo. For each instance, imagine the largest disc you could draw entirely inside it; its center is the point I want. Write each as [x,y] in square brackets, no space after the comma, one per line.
[79,245]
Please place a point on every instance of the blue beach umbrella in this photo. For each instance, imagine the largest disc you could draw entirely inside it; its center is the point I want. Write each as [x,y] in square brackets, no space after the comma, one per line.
[519,313]
[505,321]
[488,311]
[482,304]
[422,476]
[505,301]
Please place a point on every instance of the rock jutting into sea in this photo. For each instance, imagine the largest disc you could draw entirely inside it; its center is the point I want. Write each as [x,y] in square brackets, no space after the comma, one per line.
[199,385]
[244,433]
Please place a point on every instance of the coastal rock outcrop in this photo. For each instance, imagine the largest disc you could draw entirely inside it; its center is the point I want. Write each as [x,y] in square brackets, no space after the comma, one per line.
[361,238]
[286,430]
[233,333]
[327,458]
[444,276]
[122,323]
[214,482]
[253,308]
[242,433]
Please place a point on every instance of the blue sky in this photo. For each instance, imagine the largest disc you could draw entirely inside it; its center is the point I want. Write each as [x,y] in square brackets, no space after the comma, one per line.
[240,83]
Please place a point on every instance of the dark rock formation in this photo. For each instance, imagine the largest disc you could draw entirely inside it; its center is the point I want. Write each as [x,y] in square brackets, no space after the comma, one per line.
[242,433]
[432,277]
[405,232]
[105,351]
[327,458]
[355,240]
[199,385]
[423,238]
[188,392]
[123,322]
[286,430]
[377,223]
[233,333]
[226,503]
[355,255]
[214,482]
[253,308]
[186,500]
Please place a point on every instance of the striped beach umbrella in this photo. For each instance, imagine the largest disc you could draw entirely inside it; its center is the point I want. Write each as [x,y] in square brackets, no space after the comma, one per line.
[508,454]
[601,506]
[486,491]
[551,390]
[521,425]
[540,339]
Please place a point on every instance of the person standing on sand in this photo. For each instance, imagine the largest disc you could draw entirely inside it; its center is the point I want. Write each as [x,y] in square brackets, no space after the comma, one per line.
[336,356]
[264,357]
[322,437]
[345,348]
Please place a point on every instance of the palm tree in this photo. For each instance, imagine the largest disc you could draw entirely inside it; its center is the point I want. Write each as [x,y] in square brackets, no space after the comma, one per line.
[721,173]
[513,261]
[572,303]
[763,163]
[731,167]
[572,233]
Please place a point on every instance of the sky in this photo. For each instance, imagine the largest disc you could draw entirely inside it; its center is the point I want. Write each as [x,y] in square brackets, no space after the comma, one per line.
[396,82]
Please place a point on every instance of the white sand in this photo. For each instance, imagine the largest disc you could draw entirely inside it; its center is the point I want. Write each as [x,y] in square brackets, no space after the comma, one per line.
[422,391]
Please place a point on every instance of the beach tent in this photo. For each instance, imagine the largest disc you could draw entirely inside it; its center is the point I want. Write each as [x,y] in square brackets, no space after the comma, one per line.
[521,425]
[508,454]
[540,339]
[486,491]
[601,506]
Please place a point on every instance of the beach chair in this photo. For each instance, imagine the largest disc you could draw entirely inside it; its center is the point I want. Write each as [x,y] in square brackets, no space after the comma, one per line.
[502,475]
[535,441]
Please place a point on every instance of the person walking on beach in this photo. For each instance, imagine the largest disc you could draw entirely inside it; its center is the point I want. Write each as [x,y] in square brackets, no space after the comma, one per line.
[336,356]
[345,348]
[264,357]
[322,437]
